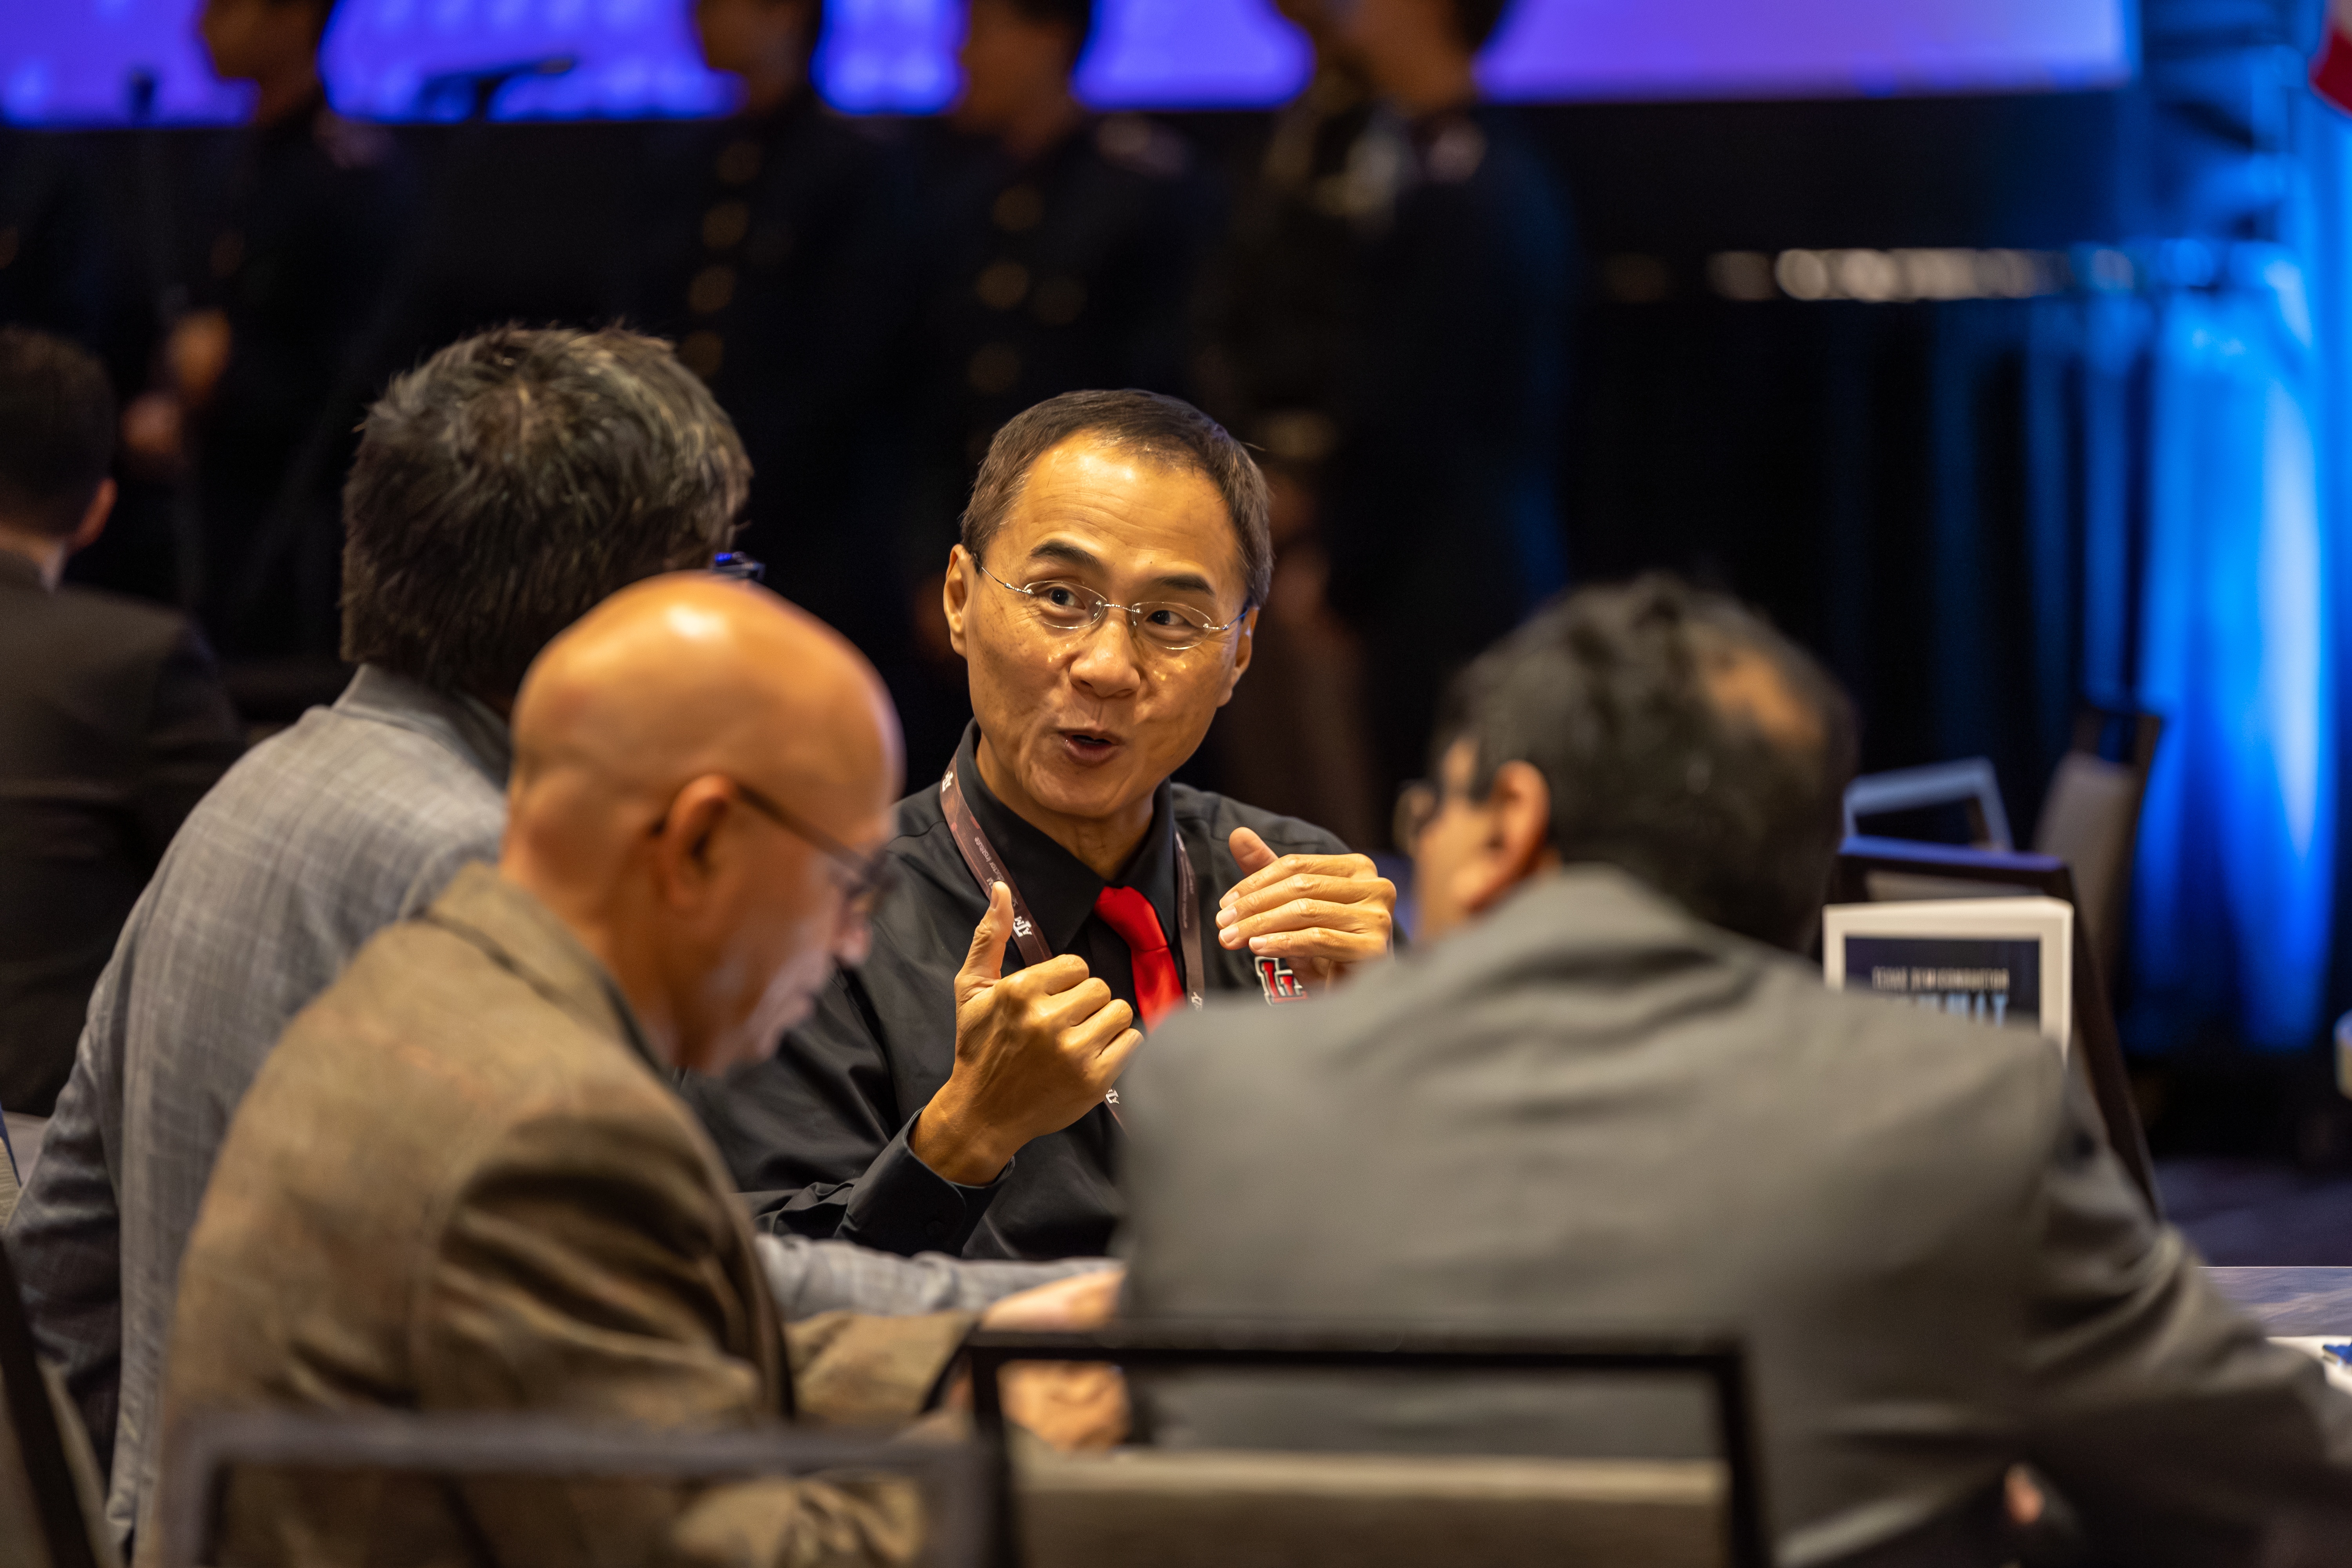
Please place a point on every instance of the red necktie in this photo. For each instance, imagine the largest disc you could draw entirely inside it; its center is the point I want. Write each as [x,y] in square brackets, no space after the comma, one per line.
[1129,913]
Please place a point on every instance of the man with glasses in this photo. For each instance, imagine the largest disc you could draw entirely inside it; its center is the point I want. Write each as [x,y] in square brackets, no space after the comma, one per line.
[950,1095]
[462,1181]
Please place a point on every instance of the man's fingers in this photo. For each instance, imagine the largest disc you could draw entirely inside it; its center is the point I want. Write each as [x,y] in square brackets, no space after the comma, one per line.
[1085,1039]
[1113,1059]
[1321,944]
[1309,915]
[1307,886]
[1348,868]
[1069,1008]
[1063,972]
[1250,851]
[983,966]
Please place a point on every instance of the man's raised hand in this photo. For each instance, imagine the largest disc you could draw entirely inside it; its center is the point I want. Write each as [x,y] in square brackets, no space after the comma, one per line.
[1323,913]
[1033,1052]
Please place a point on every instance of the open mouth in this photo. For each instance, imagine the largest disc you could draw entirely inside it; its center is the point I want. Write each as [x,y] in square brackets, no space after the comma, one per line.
[1089,745]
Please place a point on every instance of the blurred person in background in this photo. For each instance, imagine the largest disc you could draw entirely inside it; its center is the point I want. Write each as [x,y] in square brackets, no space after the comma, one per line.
[294,242]
[112,720]
[1278,316]
[777,249]
[1440,511]
[1061,252]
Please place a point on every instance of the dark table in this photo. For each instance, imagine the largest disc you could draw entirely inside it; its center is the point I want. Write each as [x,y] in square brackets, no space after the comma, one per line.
[2291,1300]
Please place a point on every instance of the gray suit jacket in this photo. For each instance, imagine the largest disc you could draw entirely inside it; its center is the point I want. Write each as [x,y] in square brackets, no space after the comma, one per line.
[1595,1112]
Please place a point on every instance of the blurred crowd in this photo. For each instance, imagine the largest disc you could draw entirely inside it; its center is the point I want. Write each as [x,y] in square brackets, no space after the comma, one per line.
[1374,298]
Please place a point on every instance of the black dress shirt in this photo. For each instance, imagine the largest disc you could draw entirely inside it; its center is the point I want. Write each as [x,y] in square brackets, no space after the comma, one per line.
[820,1132]
[112,726]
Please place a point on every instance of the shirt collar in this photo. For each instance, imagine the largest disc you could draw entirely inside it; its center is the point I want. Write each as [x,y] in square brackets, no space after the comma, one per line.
[524,937]
[467,725]
[1060,888]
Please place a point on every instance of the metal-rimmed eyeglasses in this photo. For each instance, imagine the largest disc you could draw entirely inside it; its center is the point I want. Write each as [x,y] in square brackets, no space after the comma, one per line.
[865,878]
[1065,608]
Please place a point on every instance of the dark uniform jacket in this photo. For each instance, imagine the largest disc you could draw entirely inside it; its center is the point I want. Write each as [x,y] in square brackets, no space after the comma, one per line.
[462,1183]
[112,726]
[822,1130]
[1441,515]
[314,211]
[780,253]
[1594,1112]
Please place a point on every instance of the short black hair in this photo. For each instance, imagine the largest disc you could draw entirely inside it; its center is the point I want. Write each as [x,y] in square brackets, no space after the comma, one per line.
[1078,16]
[1606,693]
[1475,21]
[57,431]
[515,479]
[1150,424]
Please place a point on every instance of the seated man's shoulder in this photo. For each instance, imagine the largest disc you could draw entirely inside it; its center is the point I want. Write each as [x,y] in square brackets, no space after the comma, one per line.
[1217,816]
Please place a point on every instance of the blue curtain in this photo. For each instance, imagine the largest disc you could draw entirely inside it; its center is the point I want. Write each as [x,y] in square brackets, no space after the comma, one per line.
[2236,867]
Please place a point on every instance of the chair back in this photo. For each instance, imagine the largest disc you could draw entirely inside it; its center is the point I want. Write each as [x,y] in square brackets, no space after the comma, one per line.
[205,1447]
[1145,1508]
[1968,784]
[2090,818]
[1886,870]
[52,1506]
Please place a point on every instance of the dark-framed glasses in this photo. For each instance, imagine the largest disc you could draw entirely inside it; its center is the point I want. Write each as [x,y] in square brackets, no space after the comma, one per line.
[1065,608]
[863,877]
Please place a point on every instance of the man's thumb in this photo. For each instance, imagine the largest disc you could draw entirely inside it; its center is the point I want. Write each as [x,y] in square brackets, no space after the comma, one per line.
[984,966]
[1250,851]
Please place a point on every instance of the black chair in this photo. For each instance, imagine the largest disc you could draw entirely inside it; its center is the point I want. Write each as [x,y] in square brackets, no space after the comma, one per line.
[1732,1512]
[206,1447]
[49,1490]
[1893,870]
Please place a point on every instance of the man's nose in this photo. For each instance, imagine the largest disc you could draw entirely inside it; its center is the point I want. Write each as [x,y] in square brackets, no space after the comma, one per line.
[1105,664]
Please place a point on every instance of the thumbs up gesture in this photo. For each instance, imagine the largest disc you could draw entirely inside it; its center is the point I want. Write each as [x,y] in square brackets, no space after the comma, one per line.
[1322,914]
[1033,1053]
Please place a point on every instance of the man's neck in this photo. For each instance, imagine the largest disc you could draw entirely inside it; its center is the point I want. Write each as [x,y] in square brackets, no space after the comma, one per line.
[285,93]
[1103,845]
[1433,83]
[40,549]
[1039,125]
[771,89]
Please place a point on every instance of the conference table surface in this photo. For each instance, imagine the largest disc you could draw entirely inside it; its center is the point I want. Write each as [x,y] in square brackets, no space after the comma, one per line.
[2291,1302]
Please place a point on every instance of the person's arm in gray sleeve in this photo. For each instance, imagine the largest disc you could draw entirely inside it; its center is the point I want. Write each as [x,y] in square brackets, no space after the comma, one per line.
[807,1277]
[2177,1430]
[64,1243]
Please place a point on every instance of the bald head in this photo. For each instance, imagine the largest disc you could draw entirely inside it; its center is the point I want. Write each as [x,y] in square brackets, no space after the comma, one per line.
[692,760]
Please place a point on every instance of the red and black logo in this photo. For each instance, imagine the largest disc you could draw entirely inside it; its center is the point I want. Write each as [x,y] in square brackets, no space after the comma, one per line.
[1280,983]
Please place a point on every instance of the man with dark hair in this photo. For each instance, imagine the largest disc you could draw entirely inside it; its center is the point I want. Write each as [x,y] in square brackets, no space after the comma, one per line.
[778,247]
[502,489]
[1103,596]
[1608,1092]
[1439,506]
[112,720]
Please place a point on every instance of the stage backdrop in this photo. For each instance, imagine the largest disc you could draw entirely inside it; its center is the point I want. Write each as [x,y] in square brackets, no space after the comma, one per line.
[94,62]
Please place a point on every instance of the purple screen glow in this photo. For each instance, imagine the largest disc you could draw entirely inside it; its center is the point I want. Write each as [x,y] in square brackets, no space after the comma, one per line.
[73,61]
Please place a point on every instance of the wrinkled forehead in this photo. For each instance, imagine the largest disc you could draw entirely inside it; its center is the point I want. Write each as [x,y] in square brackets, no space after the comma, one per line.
[1136,512]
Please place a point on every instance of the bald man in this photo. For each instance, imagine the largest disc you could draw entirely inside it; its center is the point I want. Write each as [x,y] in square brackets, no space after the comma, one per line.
[462,1181]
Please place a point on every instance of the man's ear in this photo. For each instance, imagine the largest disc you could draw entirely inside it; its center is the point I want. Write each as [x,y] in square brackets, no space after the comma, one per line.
[955,595]
[1518,841]
[93,518]
[1244,644]
[685,851]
